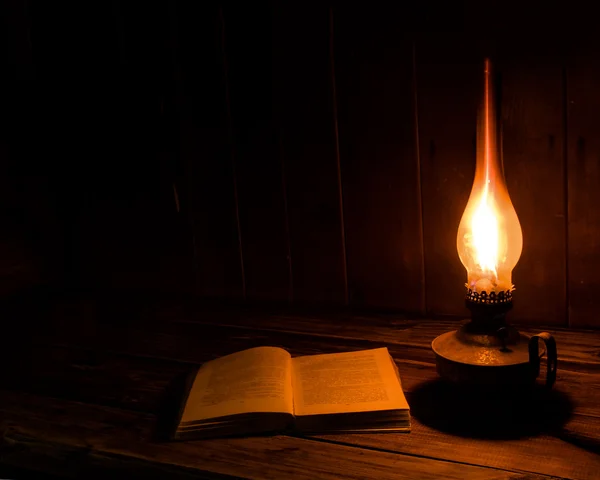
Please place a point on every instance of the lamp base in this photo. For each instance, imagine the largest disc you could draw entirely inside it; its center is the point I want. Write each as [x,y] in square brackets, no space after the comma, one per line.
[486,360]
[487,351]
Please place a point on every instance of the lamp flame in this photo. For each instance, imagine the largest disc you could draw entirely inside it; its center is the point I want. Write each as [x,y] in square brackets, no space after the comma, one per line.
[484,225]
[489,239]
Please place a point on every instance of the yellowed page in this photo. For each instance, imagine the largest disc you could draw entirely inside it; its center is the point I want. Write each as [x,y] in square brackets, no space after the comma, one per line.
[346,382]
[254,380]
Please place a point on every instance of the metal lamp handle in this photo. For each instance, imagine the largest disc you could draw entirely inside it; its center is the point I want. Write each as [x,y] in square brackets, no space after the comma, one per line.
[551,355]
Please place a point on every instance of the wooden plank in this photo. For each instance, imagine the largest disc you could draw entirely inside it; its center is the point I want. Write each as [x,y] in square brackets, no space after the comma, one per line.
[206,149]
[533,150]
[187,342]
[136,383]
[583,175]
[578,350]
[414,375]
[379,161]
[304,107]
[511,454]
[527,454]
[449,73]
[55,369]
[92,376]
[92,442]
[194,343]
[581,432]
[257,159]
[82,318]
[28,409]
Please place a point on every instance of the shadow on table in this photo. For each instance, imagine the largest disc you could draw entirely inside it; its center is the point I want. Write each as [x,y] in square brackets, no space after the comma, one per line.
[485,414]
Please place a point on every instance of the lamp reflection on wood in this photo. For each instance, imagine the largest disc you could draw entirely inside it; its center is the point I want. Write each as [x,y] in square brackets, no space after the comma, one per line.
[488,351]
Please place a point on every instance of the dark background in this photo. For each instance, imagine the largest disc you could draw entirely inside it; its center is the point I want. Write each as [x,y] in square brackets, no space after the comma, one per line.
[288,152]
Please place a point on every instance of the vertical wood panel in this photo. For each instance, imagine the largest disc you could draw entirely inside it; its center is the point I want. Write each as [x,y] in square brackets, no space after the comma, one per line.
[305,113]
[29,239]
[583,101]
[373,60]
[71,60]
[206,149]
[144,239]
[533,151]
[448,69]
[258,173]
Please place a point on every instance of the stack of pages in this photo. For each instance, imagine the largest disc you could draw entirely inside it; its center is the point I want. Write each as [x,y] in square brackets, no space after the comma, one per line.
[264,389]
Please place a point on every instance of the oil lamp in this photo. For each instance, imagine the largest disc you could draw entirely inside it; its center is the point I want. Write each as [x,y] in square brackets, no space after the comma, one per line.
[487,351]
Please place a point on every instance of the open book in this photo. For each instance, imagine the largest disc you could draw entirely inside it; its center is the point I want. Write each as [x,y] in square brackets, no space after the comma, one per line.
[264,389]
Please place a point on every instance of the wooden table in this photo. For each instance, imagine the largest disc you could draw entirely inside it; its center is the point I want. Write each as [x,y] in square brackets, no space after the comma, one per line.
[86,381]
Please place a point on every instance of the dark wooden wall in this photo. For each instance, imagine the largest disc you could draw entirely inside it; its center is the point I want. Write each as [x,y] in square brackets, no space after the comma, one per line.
[311,154]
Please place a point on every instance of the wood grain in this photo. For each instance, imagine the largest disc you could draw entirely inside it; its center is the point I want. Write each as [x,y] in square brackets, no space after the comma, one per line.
[83,319]
[423,440]
[135,391]
[206,149]
[379,160]
[583,193]
[95,377]
[257,156]
[448,70]
[304,105]
[131,367]
[98,448]
[534,164]
[194,343]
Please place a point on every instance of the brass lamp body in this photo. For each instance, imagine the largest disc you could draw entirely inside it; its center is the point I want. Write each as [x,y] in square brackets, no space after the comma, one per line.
[490,353]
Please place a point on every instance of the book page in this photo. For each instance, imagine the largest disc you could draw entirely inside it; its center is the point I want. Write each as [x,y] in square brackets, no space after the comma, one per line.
[254,380]
[346,382]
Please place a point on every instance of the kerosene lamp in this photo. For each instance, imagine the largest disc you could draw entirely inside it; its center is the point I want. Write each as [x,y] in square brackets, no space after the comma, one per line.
[487,351]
